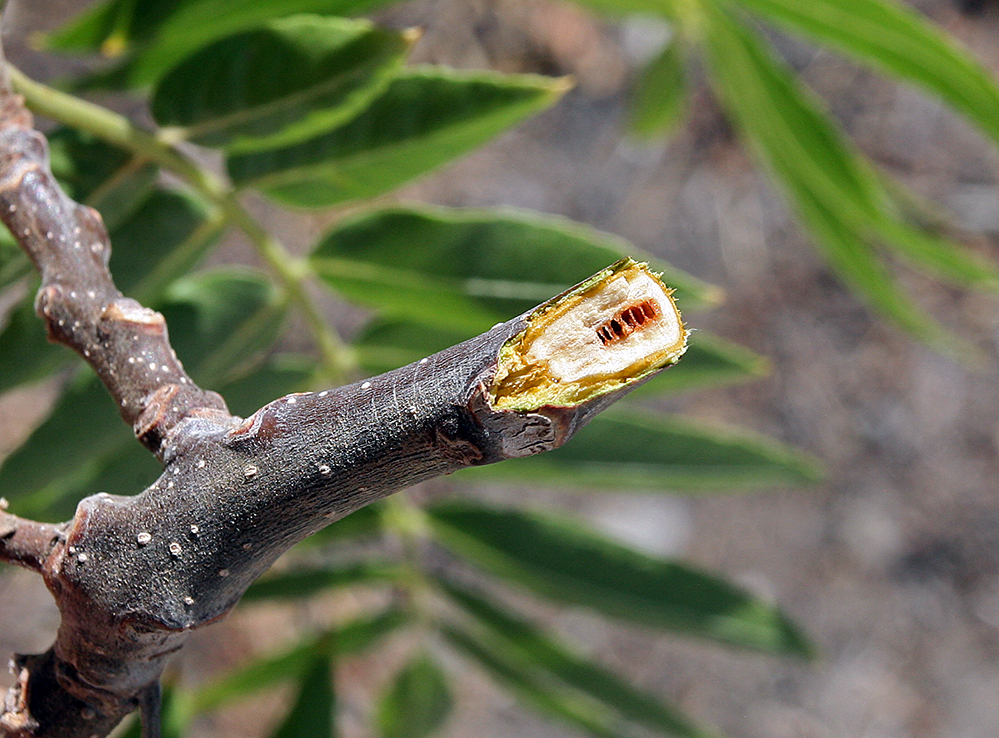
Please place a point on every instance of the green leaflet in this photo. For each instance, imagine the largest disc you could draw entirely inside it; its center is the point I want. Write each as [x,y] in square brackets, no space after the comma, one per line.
[164,237]
[622,450]
[834,189]
[56,455]
[222,321]
[466,270]
[417,702]
[25,353]
[279,84]
[159,32]
[510,634]
[659,101]
[304,582]
[278,376]
[13,263]
[571,708]
[351,638]
[426,117]
[312,714]
[709,361]
[99,174]
[892,37]
[567,562]
[129,468]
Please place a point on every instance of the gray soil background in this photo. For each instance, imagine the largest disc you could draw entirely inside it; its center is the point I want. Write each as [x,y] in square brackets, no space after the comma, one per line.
[891,565]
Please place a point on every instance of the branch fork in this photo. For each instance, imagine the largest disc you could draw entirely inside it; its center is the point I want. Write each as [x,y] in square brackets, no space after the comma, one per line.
[133,576]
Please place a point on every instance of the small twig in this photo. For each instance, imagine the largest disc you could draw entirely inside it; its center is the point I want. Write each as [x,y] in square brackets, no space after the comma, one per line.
[125,343]
[25,542]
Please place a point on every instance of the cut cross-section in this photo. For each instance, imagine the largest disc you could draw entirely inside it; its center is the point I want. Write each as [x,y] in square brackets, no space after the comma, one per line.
[609,331]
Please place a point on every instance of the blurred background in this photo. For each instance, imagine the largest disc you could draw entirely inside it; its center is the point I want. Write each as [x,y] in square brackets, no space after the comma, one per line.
[891,565]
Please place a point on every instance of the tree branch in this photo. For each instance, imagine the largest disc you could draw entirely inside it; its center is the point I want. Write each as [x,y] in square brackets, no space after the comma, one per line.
[133,576]
[25,542]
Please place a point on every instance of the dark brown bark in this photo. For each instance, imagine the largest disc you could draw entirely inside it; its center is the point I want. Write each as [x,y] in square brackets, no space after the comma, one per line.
[133,576]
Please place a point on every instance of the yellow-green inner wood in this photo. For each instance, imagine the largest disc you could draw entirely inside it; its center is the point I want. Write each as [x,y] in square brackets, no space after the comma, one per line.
[613,329]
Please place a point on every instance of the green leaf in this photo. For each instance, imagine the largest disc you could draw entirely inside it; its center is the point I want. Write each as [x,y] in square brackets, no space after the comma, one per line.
[519,638]
[305,582]
[896,39]
[221,320]
[832,186]
[279,84]
[25,353]
[14,264]
[159,32]
[710,361]
[567,562]
[383,345]
[622,450]
[417,703]
[660,95]
[354,637]
[571,708]
[169,727]
[164,237]
[112,25]
[463,271]
[99,174]
[363,523]
[57,453]
[427,117]
[278,376]
[131,468]
[312,713]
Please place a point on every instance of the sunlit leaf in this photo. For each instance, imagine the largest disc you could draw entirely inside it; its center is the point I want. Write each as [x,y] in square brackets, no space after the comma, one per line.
[466,270]
[567,562]
[159,32]
[514,635]
[426,117]
[417,703]
[621,450]
[276,85]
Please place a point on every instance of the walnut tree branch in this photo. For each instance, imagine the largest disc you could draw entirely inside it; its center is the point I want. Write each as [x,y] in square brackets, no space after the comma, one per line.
[133,576]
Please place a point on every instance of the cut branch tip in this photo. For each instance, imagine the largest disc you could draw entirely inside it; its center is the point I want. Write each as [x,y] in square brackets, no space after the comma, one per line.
[611,330]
